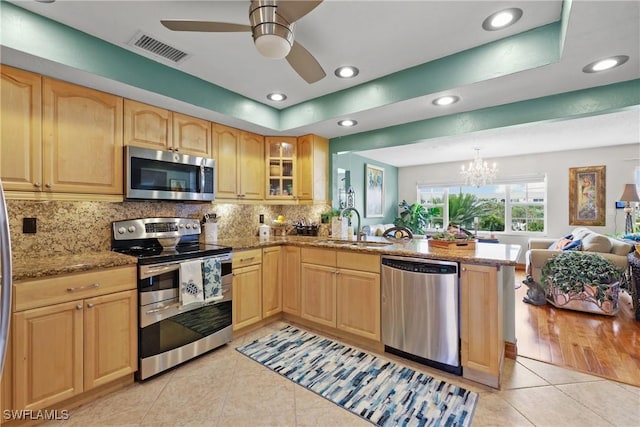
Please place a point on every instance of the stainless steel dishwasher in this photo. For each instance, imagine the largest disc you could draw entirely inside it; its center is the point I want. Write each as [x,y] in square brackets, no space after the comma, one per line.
[420,311]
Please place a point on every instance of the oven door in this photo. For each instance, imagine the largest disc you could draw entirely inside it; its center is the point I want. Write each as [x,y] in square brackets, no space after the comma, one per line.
[170,333]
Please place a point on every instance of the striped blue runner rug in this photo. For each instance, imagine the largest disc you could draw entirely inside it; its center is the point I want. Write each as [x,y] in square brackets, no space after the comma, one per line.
[378,390]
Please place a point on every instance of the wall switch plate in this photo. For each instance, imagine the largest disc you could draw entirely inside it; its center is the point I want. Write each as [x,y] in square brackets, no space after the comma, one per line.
[29,225]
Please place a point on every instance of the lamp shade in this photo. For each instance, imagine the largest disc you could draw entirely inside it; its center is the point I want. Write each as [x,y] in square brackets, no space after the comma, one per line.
[630,194]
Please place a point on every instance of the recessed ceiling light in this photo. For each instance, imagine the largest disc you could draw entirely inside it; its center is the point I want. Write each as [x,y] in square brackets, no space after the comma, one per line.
[346,72]
[605,64]
[276,96]
[446,100]
[347,123]
[502,19]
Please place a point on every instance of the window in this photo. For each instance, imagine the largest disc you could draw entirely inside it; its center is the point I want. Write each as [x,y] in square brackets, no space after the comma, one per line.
[517,205]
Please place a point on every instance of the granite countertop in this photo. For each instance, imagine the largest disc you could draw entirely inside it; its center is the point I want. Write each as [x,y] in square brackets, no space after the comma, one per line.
[51,265]
[484,253]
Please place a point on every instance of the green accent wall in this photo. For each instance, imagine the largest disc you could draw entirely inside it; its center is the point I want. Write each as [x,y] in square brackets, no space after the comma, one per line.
[355,165]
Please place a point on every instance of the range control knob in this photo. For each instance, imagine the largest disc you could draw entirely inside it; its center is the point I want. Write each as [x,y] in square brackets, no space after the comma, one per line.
[188,225]
[195,225]
[181,225]
[121,230]
[131,229]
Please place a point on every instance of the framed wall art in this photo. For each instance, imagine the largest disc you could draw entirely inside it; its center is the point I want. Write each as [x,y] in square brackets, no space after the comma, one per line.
[587,195]
[374,191]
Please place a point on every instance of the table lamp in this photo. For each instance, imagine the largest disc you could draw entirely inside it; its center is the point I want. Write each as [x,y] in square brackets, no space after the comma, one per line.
[630,194]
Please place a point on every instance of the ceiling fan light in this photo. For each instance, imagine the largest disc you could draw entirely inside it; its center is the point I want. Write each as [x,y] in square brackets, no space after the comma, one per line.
[272,46]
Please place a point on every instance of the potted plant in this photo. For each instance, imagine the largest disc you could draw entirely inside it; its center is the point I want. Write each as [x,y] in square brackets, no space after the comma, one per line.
[415,217]
[582,281]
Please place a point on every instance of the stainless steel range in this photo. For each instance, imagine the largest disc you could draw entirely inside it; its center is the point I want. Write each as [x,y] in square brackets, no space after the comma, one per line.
[171,331]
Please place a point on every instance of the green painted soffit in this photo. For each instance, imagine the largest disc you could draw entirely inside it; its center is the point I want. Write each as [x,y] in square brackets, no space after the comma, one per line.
[41,37]
[564,19]
[598,100]
[524,51]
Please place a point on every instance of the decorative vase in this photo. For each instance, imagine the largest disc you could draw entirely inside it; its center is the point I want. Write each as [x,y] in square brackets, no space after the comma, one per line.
[586,300]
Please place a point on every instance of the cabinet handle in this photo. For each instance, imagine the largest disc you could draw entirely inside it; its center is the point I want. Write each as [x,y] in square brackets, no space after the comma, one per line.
[247,259]
[37,185]
[48,185]
[90,305]
[84,288]
[176,149]
[79,307]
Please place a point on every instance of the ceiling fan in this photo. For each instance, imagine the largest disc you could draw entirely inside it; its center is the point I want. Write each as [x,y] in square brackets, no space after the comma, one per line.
[272,24]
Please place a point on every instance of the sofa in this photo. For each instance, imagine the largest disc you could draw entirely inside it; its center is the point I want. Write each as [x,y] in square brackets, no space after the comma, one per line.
[583,239]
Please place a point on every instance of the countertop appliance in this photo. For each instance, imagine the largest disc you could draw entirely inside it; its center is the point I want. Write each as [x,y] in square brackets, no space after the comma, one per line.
[420,311]
[168,175]
[170,333]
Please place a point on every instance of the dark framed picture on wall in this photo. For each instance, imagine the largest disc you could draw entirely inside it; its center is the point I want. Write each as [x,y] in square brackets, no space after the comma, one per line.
[374,191]
[587,195]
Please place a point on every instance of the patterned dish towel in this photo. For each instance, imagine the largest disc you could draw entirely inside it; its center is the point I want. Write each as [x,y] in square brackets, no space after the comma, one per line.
[212,276]
[191,283]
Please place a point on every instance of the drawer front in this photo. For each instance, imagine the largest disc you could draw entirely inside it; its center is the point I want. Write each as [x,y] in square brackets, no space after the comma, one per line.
[318,256]
[69,287]
[244,258]
[359,261]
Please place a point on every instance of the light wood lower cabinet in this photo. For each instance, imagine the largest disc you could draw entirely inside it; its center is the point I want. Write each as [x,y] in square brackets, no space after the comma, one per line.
[341,289]
[271,281]
[291,280]
[481,323]
[358,303]
[247,288]
[63,344]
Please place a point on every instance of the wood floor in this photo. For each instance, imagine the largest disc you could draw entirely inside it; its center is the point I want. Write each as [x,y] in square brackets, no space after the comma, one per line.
[606,346]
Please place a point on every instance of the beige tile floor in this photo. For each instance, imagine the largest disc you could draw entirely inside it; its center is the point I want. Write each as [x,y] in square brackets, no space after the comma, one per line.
[225,388]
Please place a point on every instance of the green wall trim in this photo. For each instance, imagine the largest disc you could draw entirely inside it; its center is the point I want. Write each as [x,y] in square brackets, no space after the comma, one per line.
[524,51]
[597,100]
[564,21]
[36,35]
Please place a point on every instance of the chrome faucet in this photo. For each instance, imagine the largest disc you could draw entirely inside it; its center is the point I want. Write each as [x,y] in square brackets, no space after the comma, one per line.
[359,234]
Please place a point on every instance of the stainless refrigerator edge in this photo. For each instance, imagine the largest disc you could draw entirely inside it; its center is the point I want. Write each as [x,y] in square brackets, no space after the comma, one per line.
[7,274]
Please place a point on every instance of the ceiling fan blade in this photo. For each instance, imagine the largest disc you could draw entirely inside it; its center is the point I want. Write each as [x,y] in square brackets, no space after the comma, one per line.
[305,64]
[294,10]
[204,26]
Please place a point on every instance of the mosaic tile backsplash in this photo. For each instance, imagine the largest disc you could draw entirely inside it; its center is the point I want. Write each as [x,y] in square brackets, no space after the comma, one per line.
[75,227]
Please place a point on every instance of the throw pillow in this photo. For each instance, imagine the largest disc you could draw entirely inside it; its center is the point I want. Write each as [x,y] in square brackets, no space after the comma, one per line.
[561,243]
[575,245]
[596,243]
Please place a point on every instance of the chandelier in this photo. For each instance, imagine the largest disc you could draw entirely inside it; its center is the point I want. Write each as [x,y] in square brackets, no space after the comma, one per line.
[478,173]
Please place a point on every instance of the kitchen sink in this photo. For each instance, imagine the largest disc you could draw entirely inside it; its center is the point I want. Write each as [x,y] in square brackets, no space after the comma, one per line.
[354,243]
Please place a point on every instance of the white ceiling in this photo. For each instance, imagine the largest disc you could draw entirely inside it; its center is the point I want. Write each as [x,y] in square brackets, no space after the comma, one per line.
[383,37]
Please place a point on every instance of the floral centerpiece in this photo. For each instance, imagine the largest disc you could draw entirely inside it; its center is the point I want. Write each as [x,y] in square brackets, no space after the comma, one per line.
[582,281]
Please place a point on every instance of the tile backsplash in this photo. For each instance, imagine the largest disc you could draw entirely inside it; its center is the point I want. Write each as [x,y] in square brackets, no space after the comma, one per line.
[76,227]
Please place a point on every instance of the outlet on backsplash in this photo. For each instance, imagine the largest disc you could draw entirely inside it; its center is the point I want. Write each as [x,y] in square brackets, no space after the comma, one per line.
[29,225]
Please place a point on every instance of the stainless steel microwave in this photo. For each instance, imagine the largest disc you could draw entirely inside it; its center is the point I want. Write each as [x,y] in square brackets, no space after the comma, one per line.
[167,175]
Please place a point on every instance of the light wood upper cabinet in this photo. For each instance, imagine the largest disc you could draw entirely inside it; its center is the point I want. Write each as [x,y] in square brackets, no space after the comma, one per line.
[280,167]
[20,129]
[82,137]
[291,280]
[191,135]
[482,347]
[239,164]
[271,281]
[147,126]
[251,166]
[313,169]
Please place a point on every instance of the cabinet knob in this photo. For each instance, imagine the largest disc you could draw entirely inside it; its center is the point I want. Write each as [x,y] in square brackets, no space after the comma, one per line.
[89,305]
[48,185]
[79,307]
[176,149]
[37,185]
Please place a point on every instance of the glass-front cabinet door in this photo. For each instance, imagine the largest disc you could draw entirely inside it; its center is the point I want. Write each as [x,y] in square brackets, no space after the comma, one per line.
[281,167]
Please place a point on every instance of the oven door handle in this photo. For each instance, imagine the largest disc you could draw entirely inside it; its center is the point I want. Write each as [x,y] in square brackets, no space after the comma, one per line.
[166,307]
[152,271]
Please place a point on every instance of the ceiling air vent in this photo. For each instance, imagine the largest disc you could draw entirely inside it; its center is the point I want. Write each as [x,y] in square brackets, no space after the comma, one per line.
[156,47]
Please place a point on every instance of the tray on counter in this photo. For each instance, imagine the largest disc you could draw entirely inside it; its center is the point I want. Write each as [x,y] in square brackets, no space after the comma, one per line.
[453,244]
